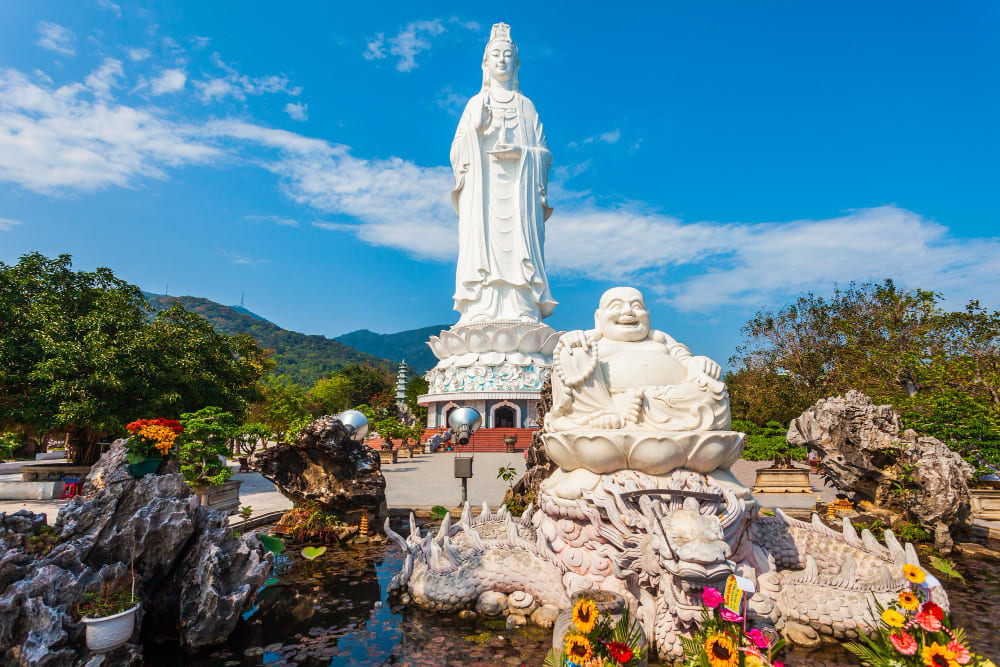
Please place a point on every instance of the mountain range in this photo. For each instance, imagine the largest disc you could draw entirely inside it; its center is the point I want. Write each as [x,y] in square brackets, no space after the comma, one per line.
[306,358]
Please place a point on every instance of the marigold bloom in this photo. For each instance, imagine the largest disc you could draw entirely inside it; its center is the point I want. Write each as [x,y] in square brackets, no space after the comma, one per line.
[711,597]
[578,649]
[721,652]
[893,618]
[585,615]
[914,573]
[903,642]
[936,655]
[908,600]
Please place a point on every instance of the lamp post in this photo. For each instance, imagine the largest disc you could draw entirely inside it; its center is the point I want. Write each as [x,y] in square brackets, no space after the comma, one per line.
[463,423]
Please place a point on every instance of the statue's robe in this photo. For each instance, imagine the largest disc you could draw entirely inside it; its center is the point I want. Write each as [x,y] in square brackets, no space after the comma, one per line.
[581,393]
[501,269]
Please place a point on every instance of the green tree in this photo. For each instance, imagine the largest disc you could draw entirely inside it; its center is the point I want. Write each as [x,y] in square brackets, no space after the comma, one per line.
[203,441]
[415,387]
[332,395]
[283,404]
[366,381]
[78,355]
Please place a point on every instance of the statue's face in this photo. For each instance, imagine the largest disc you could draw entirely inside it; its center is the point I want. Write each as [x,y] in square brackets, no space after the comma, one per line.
[622,315]
[500,58]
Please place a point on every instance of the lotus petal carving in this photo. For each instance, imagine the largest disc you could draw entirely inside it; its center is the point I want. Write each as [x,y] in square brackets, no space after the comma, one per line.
[478,341]
[651,452]
[507,337]
[548,346]
[439,349]
[531,341]
[454,342]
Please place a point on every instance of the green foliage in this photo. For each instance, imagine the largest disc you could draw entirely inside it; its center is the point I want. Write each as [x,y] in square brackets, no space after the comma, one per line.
[8,443]
[113,598]
[438,511]
[312,553]
[415,387]
[912,532]
[508,474]
[332,394]
[79,355]
[390,428]
[203,442]
[767,443]
[284,403]
[304,359]
[941,370]
[410,345]
[946,567]
[273,544]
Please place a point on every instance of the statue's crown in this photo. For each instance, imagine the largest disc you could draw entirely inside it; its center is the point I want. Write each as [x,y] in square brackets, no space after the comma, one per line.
[500,31]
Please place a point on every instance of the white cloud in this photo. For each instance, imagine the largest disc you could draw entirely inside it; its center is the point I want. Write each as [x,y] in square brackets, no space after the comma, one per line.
[7,224]
[105,77]
[410,41]
[55,37]
[276,219]
[168,81]
[297,110]
[54,139]
[611,137]
[242,259]
[112,7]
[138,54]
[375,48]
[198,42]
[238,86]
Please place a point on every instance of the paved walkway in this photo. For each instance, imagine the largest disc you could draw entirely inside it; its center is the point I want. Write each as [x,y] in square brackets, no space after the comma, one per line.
[428,479]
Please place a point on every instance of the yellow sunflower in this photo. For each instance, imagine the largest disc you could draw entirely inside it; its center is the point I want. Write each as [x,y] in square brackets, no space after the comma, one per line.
[721,652]
[908,600]
[585,615]
[914,573]
[578,649]
[893,618]
[754,661]
[936,655]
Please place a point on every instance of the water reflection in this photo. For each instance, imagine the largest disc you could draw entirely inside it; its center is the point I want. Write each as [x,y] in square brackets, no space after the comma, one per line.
[334,611]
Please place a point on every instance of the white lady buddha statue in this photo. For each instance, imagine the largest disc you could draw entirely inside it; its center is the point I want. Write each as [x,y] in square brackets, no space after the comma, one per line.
[501,161]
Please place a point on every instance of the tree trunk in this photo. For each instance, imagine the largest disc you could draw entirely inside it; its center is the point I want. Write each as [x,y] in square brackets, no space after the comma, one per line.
[84,450]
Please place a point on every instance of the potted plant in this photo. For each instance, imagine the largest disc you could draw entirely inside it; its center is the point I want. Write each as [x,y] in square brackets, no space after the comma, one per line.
[109,615]
[202,448]
[149,443]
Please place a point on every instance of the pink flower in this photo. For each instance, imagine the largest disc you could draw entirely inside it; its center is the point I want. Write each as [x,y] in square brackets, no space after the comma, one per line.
[778,663]
[928,621]
[962,654]
[758,638]
[903,642]
[711,597]
[730,616]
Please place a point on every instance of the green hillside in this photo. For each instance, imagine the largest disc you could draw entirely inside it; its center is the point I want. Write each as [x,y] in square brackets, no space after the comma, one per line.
[303,358]
[410,345]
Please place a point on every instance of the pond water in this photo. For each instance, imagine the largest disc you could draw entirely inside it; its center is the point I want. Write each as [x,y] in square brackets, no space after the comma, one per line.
[335,611]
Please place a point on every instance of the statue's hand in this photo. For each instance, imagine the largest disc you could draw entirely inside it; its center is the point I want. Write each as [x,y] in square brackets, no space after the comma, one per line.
[573,339]
[706,366]
[485,119]
[505,152]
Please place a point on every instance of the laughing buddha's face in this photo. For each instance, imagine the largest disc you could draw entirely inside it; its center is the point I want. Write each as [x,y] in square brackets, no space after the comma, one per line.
[622,315]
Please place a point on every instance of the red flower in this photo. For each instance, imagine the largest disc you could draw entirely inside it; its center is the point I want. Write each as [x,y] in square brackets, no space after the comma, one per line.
[903,642]
[962,654]
[932,609]
[928,621]
[618,651]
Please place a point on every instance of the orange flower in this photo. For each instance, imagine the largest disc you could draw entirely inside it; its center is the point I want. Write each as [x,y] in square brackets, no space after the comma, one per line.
[908,600]
[914,573]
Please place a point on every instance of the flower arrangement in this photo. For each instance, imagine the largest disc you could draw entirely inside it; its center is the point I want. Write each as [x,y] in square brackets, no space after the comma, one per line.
[913,630]
[151,438]
[724,641]
[597,640]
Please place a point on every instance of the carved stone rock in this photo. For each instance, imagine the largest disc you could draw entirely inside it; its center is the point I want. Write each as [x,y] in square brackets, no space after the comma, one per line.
[329,469]
[864,451]
[191,573]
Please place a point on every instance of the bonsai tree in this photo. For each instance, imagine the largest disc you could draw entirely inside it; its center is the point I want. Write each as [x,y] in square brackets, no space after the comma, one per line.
[391,428]
[203,443]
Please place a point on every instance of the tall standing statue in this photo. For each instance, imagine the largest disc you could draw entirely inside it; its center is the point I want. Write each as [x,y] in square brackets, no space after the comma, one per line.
[501,163]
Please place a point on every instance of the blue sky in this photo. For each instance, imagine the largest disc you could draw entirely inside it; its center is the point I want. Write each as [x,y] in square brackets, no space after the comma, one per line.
[721,156]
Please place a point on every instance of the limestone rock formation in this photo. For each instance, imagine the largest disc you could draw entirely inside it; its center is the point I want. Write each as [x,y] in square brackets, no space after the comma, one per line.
[865,451]
[191,573]
[537,463]
[324,466]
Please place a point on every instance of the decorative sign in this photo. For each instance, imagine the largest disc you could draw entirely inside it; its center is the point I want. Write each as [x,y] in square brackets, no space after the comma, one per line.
[734,595]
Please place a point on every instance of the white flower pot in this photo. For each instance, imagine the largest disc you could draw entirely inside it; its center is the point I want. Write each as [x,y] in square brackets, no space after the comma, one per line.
[108,633]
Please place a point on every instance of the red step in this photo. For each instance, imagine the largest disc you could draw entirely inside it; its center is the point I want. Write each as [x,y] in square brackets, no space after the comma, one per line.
[483,440]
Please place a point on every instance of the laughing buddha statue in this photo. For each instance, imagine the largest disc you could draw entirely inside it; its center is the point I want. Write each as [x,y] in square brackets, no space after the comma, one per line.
[628,397]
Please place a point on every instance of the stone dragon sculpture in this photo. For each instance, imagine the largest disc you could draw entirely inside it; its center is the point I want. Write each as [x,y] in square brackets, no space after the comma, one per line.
[658,545]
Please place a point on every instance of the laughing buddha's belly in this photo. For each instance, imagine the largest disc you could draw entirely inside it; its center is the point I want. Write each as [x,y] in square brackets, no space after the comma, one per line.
[641,368]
